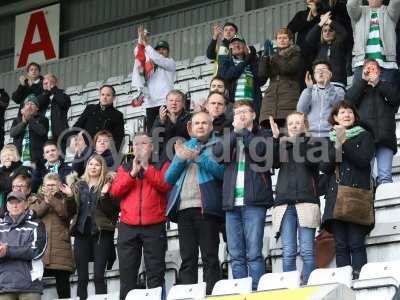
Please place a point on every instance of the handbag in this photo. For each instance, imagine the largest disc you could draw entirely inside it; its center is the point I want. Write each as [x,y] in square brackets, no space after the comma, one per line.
[354,205]
[324,249]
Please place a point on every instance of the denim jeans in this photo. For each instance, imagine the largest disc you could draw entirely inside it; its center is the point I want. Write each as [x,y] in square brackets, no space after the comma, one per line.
[389,75]
[350,245]
[245,233]
[289,228]
[384,160]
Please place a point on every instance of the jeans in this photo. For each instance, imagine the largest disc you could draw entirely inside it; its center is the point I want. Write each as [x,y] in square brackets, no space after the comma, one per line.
[99,248]
[289,228]
[245,233]
[198,230]
[389,75]
[132,240]
[384,159]
[350,245]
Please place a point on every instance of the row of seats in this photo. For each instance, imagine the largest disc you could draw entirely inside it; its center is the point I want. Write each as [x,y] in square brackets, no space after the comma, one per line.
[377,281]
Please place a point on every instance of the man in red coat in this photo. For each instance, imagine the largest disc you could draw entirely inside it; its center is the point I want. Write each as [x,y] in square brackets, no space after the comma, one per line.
[142,190]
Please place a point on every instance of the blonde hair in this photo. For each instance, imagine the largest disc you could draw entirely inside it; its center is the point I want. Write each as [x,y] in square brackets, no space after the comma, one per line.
[51,176]
[11,148]
[285,30]
[297,113]
[102,179]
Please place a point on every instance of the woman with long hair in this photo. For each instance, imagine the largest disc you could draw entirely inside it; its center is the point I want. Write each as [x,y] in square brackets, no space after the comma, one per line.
[93,224]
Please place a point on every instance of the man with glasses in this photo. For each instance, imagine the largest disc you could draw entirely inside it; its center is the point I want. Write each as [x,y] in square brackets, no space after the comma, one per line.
[316,101]
[247,190]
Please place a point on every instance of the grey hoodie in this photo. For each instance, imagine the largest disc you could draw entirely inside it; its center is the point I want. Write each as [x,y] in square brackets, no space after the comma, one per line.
[316,103]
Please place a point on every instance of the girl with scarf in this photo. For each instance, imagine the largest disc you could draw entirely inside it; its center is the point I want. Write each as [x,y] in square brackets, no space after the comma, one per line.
[354,143]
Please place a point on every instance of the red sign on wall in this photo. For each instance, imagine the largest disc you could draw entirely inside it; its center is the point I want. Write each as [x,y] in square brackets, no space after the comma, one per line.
[37,36]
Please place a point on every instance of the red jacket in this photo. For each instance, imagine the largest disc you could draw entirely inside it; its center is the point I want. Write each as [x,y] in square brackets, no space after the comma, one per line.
[143,201]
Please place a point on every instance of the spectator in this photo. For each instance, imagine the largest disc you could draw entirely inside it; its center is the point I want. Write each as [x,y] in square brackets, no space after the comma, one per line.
[10,164]
[239,71]
[52,163]
[281,68]
[247,191]
[103,143]
[50,205]
[227,32]
[143,219]
[296,206]
[317,100]
[302,22]
[153,74]
[328,38]
[195,202]
[354,170]
[30,83]
[103,116]
[59,105]
[217,84]
[215,105]
[170,123]
[374,36]
[22,244]
[4,101]
[378,102]
[93,224]
[29,132]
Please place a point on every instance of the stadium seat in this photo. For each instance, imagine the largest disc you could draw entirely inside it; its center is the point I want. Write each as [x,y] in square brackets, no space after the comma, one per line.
[182,86]
[187,291]
[182,64]
[73,90]
[274,281]
[94,85]
[115,80]
[198,61]
[111,296]
[145,294]
[232,286]
[388,191]
[381,269]
[333,275]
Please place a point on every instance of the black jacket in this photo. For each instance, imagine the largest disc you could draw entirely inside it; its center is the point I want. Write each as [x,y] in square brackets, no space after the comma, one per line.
[334,53]
[38,129]
[258,143]
[212,48]
[41,170]
[377,107]
[59,105]
[167,131]
[26,241]
[222,123]
[354,170]
[4,101]
[96,117]
[297,180]
[23,91]
[231,73]
[80,161]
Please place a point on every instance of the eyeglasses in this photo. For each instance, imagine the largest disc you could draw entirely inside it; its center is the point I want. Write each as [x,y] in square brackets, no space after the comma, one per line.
[21,186]
[242,112]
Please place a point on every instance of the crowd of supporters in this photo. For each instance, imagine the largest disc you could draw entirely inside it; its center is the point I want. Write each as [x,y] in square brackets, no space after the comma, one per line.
[209,169]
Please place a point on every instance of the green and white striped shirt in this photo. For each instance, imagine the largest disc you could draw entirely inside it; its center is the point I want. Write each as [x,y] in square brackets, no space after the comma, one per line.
[244,87]
[374,49]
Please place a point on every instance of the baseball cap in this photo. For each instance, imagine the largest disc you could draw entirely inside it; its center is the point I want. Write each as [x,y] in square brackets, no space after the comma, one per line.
[16,195]
[237,37]
[162,44]
[32,98]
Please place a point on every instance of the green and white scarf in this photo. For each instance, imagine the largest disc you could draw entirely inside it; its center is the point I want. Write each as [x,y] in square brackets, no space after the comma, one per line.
[48,116]
[26,149]
[244,87]
[374,49]
[239,187]
[350,133]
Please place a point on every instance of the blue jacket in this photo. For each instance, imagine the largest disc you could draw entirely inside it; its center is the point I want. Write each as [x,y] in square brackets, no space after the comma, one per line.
[210,175]
[259,147]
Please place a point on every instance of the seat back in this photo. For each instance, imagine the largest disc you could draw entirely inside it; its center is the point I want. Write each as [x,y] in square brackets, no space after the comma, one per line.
[187,291]
[381,269]
[284,280]
[232,286]
[332,275]
[145,294]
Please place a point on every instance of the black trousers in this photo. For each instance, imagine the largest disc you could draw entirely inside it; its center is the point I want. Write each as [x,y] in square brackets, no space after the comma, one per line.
[350,245]
[151,115]
[62,282]
[96,248]
[198,230]
[131,240]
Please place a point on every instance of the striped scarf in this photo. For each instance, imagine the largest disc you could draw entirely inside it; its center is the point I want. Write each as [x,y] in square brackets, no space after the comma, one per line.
[26,150]
[244,87]
[350,133]
[239,188]
[374,49]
